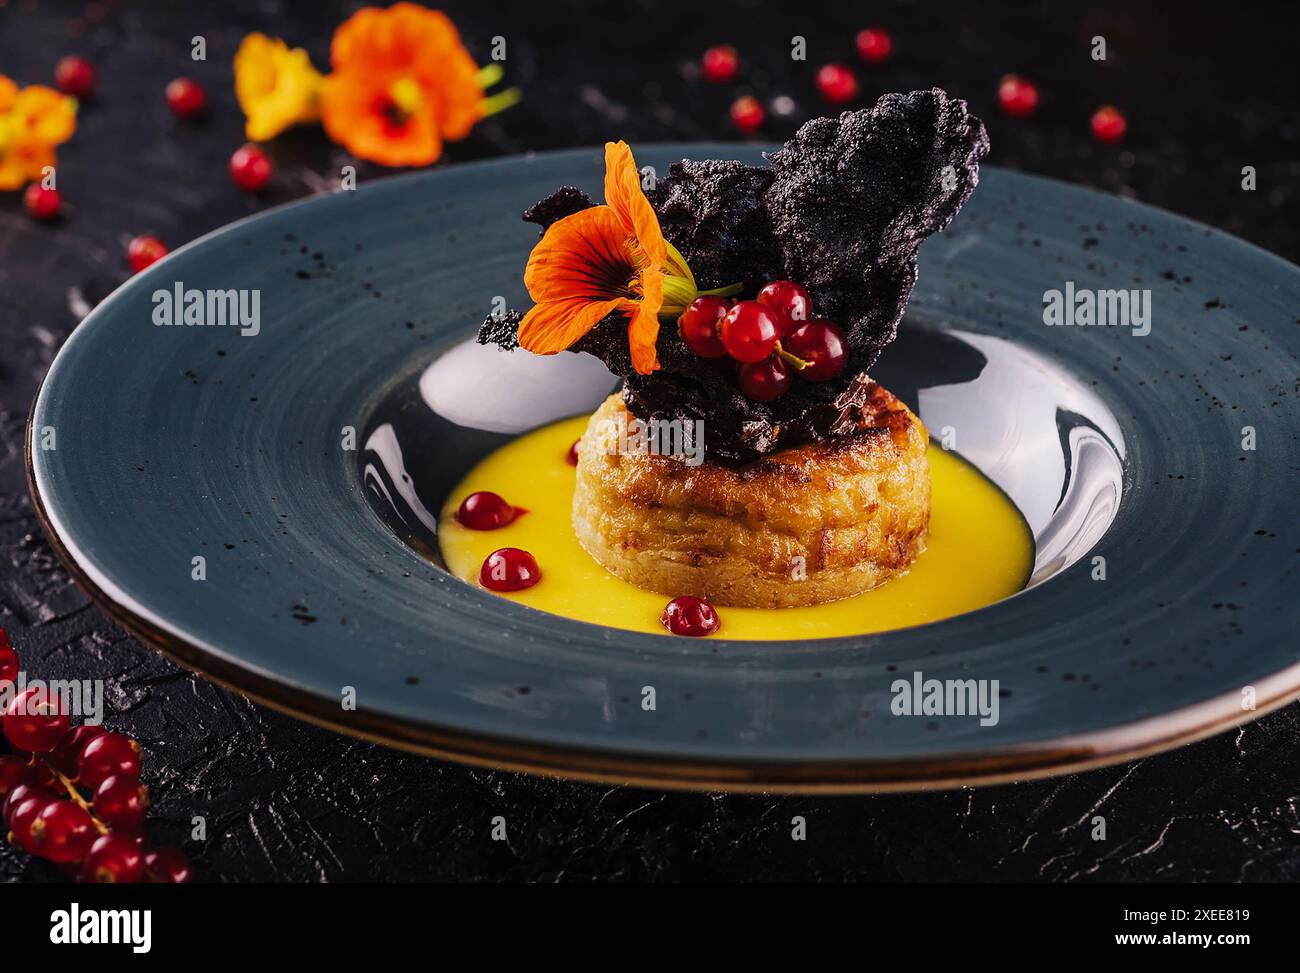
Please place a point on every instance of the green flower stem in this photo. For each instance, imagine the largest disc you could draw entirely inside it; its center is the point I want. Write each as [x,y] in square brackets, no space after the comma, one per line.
[501,101]
[489,75]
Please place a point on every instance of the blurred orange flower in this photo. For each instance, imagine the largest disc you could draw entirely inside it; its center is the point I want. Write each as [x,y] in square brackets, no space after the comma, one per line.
[402,85]
[33,121]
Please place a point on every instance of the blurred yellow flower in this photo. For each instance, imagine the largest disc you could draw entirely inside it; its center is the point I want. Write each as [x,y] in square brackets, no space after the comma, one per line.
[33,121]
[276,87]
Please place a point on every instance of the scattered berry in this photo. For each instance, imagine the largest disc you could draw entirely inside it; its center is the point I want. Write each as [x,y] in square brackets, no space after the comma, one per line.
[75,76]
[42,203]
[61,833]
[509,569]
[120,802]
[572,456]
[485,511]
[167,866]
[874,45]
[698,325]
[720,64]
[823,346]
[107,755]
[789,302]
[747,114]
[143,251]
[186,98]
[114,858]
[836,83]
[8,664]
[1108,125]
[749,331]
[35,720]
[1017,96]
[251,168]
[763,381]
[22,792]
[67,752]
[688,615]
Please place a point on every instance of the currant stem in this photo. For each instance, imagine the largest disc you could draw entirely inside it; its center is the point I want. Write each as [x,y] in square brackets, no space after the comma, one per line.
[73,793]
[798,364]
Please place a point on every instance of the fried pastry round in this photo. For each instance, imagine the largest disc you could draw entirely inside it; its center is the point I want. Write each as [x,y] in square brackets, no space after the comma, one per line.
[801,526]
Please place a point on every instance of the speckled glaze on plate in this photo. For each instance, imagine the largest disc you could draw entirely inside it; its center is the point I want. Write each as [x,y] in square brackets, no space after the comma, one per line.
[173,443]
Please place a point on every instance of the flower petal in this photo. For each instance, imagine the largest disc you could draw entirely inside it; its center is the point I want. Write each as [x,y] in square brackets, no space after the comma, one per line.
[351,111]
[643,326]
[553,326]
[625,197]
[583,255]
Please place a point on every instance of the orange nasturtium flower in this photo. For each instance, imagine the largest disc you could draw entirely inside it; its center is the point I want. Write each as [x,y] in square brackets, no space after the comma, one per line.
[402,85]
[33,121]
[603,259]
[276,87]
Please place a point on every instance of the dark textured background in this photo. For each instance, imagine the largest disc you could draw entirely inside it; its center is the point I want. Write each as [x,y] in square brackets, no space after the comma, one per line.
[1206,91]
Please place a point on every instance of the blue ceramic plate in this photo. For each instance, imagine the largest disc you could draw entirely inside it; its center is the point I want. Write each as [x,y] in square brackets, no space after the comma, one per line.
[1157,471]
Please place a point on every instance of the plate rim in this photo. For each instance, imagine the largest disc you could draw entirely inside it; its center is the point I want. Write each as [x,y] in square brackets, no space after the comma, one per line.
[1061,755]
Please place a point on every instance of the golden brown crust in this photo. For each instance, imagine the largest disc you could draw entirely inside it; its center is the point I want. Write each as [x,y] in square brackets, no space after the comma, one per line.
[799,527]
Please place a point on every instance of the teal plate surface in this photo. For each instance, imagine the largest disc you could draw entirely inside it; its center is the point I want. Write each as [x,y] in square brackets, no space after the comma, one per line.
[176,443]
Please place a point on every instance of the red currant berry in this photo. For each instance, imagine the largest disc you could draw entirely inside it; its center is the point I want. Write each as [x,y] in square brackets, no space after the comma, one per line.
[35,720]
[67,751]
[688,615]
[8,664]
[789,302]
[14,770]
[823,346]
[747,114]
[1017,96]
[26,791]
[186,98]
[114,858]
[120,802]
[484,511]
[62,832]
[143,251]
[873,45]
[698,325]
[836,83]
[168,866]
[42,203]
[572,456]
[25,826]
[749,331]
[763,381]
[105,756]
[509,569]
[251,168]
[75,76]
[720,64]
[1108,125]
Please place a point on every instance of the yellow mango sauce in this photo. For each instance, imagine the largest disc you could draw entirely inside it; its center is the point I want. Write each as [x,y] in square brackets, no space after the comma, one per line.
[979,551]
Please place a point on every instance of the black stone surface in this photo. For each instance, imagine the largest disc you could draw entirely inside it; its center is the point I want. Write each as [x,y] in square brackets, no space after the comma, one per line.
[1207,91]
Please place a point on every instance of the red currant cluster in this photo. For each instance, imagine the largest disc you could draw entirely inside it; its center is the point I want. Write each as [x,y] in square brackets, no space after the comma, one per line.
[45,782]
[772,339]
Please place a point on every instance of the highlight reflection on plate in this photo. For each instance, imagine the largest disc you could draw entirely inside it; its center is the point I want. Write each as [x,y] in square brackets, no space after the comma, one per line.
[197,442]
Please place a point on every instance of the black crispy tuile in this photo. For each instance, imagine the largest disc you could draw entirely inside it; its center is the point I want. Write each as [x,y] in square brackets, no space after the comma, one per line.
[842,208]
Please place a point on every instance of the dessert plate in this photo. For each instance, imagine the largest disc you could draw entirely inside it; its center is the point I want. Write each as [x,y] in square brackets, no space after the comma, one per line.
[257,505]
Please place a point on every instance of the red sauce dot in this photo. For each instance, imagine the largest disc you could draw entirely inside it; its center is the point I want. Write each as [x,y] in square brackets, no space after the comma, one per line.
[485,511]
[687,615]
[572,457]
[509,569]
